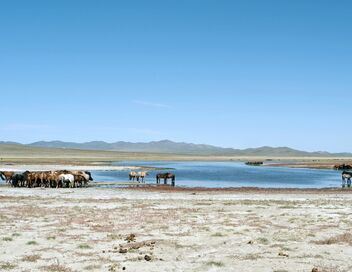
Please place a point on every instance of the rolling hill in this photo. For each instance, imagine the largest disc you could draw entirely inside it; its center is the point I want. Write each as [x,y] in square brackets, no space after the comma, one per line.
[170,147]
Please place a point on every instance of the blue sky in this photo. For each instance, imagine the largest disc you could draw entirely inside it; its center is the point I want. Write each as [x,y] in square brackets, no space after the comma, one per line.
[229,73]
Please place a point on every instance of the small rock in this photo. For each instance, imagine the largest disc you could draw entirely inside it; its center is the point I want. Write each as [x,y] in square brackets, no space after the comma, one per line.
[131,238]
[250,242]
[315,269]
[123,250]
[103,251]
[283,254]
[113,267]
[147,258]
[124,268]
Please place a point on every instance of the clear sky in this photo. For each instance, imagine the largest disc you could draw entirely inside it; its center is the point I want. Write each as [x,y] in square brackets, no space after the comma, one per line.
[229,73]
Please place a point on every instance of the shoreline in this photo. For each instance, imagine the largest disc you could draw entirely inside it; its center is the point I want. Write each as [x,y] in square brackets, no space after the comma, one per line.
[237,190]
[153,188]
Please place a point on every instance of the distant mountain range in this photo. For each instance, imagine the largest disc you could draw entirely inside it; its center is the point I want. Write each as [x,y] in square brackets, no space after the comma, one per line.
[166,146]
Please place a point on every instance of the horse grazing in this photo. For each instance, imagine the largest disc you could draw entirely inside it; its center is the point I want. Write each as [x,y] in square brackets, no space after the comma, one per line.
[141,175]
[166,176]
[7,176]
[346,176]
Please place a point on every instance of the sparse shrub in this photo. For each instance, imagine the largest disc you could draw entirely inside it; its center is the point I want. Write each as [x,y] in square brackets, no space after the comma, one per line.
[217,234]
[7,266]
[84,246]
[31,258]
[56,268]
[263,240]
[215,263]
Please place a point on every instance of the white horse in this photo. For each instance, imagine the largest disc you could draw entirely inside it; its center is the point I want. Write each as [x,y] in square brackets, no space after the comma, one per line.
[346,176]
[67,179]
[142,175]
[132,175]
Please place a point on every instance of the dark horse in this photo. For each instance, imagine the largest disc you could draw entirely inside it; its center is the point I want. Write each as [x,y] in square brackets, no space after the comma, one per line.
[18,180]
[166,176]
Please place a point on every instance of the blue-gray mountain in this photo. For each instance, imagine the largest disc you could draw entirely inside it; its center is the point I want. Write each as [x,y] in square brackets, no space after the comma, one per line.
[167,146]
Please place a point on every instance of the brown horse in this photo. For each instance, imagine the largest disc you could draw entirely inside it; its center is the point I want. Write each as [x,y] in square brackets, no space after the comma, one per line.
[166,176]
[7,176]
[36,179]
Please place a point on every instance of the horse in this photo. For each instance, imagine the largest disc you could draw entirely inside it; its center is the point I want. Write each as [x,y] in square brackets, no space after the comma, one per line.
[346,176]
[82,177]
[6,175]
[67,179]
[18,179]
[132,175]
[37,179]
[166,176]
[141,175]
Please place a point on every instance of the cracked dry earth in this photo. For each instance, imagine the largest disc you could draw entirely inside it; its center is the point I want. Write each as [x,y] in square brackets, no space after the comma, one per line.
[90,230]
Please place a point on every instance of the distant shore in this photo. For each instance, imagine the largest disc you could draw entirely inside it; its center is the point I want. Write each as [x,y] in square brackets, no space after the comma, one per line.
[84,167]
[45,164]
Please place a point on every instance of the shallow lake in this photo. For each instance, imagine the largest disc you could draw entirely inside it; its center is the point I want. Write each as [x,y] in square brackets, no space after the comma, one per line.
[230,174]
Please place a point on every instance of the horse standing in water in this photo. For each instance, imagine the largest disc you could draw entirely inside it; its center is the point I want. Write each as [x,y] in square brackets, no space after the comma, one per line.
[346,176]
[166,176]
[132,175]
[7,176]
[141,175]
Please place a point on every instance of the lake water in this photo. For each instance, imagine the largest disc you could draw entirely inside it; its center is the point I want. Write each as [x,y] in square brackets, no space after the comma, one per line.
[230,174]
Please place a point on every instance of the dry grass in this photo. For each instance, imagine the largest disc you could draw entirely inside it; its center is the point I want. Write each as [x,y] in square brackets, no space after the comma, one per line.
[56,268]
[345,238]
[7,266]
[31,258]
[215,263]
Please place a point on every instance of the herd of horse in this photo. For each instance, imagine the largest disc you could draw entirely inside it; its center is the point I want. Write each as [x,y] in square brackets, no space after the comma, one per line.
[68,179]
[72,179]
[52,179]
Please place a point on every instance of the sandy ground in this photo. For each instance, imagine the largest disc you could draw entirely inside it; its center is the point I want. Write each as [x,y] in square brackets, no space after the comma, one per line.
[84,229]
